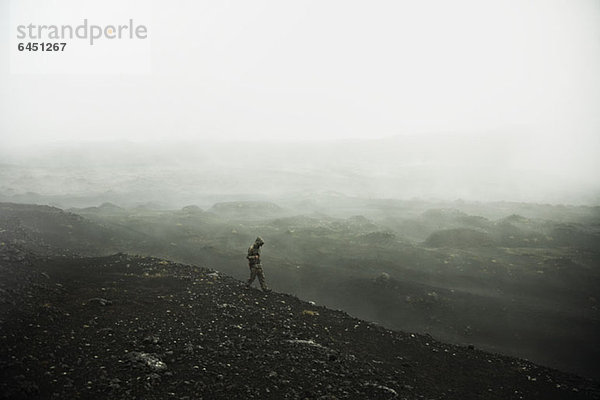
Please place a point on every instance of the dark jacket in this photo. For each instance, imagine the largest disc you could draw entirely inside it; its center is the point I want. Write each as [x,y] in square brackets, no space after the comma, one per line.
[253,255]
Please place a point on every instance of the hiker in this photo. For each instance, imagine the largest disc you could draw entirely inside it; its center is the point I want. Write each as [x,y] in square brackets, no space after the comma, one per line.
[255,265]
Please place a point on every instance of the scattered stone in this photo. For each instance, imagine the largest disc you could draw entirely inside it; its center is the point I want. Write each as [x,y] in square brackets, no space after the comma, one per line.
[140,359]
[151,339]
[101,301]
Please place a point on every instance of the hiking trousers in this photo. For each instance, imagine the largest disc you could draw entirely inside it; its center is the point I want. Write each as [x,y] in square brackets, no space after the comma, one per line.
[257,271]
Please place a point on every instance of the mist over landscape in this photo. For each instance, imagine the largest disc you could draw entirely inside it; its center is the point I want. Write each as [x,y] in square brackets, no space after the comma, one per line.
[424,176]
[452,236]
[174,174]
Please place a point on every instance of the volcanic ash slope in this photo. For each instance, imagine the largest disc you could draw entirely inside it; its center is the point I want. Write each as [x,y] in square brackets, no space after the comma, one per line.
[129,327]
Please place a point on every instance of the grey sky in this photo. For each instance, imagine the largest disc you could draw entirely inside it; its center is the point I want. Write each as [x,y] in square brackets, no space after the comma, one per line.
[320,70]
[330,69]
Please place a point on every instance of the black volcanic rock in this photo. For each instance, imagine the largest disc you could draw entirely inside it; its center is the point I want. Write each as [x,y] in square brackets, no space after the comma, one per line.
[459,238]
[49,230]
[104,208]
[169,330]
[192,209]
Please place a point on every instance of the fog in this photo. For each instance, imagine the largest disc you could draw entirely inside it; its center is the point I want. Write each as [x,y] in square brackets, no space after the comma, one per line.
[404,167]
[464,100]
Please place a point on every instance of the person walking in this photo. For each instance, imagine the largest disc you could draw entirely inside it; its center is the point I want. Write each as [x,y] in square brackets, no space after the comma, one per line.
[255,264]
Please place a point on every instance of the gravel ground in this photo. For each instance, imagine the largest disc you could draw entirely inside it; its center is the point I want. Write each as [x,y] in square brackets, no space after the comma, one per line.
[130,327]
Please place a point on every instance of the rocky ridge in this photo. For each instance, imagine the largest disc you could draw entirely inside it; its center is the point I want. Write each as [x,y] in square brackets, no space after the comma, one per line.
[132,327]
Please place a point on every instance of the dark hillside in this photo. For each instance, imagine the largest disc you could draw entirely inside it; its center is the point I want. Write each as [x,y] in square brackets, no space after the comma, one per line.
[530,299]
[130,327]
[459,238]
